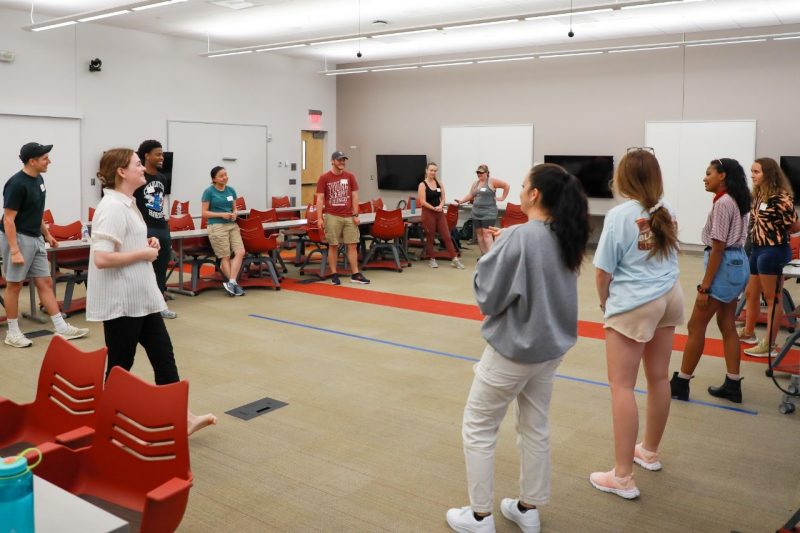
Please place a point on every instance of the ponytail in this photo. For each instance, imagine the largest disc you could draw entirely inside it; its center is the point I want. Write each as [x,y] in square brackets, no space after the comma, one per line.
[563,197]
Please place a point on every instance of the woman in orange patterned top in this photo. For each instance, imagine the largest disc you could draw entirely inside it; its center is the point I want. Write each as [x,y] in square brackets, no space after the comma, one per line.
[771,216]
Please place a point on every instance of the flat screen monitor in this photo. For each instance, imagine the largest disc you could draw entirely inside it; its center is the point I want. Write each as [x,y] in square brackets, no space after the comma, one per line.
[790,164]
[166,170]
[593,171]
[400,172]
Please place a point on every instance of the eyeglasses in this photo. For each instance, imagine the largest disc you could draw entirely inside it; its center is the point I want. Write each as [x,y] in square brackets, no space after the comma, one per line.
[479,172]
[645,148]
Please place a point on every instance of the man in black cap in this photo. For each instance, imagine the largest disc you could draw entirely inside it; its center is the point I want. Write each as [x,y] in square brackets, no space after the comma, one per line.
[337,192]
[22,243]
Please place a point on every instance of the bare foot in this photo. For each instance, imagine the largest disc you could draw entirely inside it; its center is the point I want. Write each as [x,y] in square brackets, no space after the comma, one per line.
[195,422]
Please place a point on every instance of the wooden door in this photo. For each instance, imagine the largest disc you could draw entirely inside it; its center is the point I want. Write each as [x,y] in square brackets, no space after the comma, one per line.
[312,166]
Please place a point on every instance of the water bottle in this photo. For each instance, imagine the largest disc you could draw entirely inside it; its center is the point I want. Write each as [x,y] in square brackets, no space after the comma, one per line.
[16,494]
[179,209]
[84,233]
[413,205]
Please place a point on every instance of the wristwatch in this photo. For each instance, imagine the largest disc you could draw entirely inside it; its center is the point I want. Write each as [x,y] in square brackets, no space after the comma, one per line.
[701,290]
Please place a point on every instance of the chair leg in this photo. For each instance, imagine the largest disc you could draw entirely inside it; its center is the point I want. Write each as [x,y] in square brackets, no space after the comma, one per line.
[68,295]
[323,262]
[369,254]
[273,273]
[396,257]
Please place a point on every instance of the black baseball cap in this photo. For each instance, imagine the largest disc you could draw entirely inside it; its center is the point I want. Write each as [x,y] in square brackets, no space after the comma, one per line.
[335,156]
[34,150]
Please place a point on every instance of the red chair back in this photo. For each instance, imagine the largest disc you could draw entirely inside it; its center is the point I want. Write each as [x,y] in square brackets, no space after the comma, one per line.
[377,203]
[240,204]
[47,217]
[513,216]
[253,237]
[70,232]
[365,207]
[69,389]
[91,213]
[794,243]
[452,216]
[270,215]
[191,245]
[183,205]
[388,224]
[281,201]
[182,222]
[311,215]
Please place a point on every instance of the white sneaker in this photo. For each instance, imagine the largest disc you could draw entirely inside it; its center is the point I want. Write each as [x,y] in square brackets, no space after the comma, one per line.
[17,340]
[528,521]
[456,262]
[166,313]
[73,333]
[432,263]
[464,521]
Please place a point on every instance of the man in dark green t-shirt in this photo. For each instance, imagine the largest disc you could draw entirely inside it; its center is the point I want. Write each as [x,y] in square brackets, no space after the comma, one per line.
[22,243]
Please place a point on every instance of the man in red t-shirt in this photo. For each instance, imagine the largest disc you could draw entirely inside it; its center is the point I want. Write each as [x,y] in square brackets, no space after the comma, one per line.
[337,191]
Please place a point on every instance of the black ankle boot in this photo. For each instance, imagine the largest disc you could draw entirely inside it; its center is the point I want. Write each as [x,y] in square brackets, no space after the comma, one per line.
[730,390]
[679,387]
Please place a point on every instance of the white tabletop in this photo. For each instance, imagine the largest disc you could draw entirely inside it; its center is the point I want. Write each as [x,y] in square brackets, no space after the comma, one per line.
[56,510]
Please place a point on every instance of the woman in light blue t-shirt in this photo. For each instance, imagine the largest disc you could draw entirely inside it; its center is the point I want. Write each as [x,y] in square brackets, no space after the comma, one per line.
[637,281]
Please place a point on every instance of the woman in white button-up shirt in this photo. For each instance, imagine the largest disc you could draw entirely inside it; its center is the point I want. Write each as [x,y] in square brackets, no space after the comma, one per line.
[122,292]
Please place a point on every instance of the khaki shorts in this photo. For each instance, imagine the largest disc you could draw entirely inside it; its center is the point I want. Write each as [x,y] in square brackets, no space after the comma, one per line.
[225,239]
[641,323]
[340,230]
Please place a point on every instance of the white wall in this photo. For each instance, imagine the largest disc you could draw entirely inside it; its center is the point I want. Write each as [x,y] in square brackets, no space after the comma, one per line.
[578,105]
[147,79]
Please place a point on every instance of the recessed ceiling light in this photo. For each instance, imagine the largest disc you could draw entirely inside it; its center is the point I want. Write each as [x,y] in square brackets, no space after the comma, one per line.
[233,4]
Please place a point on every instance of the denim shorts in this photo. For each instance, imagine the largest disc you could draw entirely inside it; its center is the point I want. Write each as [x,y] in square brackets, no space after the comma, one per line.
[732,275]
[770,259]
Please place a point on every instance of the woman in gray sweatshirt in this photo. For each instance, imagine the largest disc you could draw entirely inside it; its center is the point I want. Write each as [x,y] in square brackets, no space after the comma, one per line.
[527,288]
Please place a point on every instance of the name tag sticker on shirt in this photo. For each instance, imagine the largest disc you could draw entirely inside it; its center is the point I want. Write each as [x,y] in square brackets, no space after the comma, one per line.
[41,186]
[438,189]
[483,189]
[762,207]
[343,181]
[229,198]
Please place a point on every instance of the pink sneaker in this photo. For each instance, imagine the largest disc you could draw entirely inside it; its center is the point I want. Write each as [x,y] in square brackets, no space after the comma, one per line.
[645,458]
[609,482]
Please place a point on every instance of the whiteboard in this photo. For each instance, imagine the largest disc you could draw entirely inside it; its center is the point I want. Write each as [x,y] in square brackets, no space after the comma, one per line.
[684,150]
[63,177]
[200,146]
[506,149]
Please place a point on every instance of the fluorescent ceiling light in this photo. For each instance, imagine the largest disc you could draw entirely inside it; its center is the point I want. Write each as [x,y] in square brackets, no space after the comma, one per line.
[643,49]
[284,47]
[104,15]
[670,2]
[477,24]
[572,54]
[333,73]
[409,32]
[157,4]
[505,59]
[392,68]
[223,54]
[448,64]
[57,25]
[727,42]
[786,38]
[336,41]
[574,14]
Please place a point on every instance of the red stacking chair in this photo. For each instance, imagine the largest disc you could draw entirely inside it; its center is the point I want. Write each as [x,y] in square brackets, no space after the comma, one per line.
[387,232]
[66,403]
[197,251]
[452,216]
[184,208]
[259,249]
[316,236]
[76,260]
[47,217]
[283,201]
[270,215]
[91,213]
[513,216]
[240,204]
[365,207]
[139,457]
[377,203]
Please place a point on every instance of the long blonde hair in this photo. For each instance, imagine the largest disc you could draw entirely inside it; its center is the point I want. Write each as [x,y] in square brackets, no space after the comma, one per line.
[639,178]
[773,183]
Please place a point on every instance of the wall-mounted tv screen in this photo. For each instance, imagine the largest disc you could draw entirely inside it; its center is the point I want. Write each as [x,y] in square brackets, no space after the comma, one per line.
[790,164]
[400,172]
[166,170]
[594,171]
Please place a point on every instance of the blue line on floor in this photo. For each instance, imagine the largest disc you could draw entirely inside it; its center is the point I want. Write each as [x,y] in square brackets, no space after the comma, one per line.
[474,360]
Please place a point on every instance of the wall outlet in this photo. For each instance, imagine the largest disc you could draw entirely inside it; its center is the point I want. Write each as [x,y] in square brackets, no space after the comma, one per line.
[294,166]
[280,164]
[292,181]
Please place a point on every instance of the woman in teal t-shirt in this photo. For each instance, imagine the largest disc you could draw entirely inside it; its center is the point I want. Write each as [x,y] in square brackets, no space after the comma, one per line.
[219,208]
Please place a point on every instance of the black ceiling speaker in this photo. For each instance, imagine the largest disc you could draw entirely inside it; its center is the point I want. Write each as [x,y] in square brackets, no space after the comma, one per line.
[95,65]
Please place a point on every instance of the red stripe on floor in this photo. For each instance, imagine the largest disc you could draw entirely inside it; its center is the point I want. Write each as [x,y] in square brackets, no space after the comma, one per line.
[589,330]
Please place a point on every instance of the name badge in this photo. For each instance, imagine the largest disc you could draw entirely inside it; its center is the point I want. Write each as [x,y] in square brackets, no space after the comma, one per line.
[343,181]
[229,198]
[483,189]
[763,206]
[438,189]
[41,186]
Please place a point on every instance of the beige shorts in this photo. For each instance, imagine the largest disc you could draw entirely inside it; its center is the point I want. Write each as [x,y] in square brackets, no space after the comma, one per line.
[340,230]
[641,323]
[225,239]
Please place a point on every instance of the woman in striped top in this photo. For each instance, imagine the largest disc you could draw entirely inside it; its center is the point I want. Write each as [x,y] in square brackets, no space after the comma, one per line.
[123,293]
[772,215]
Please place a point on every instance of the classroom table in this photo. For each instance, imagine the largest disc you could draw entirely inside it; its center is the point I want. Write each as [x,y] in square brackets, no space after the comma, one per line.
[57,511]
